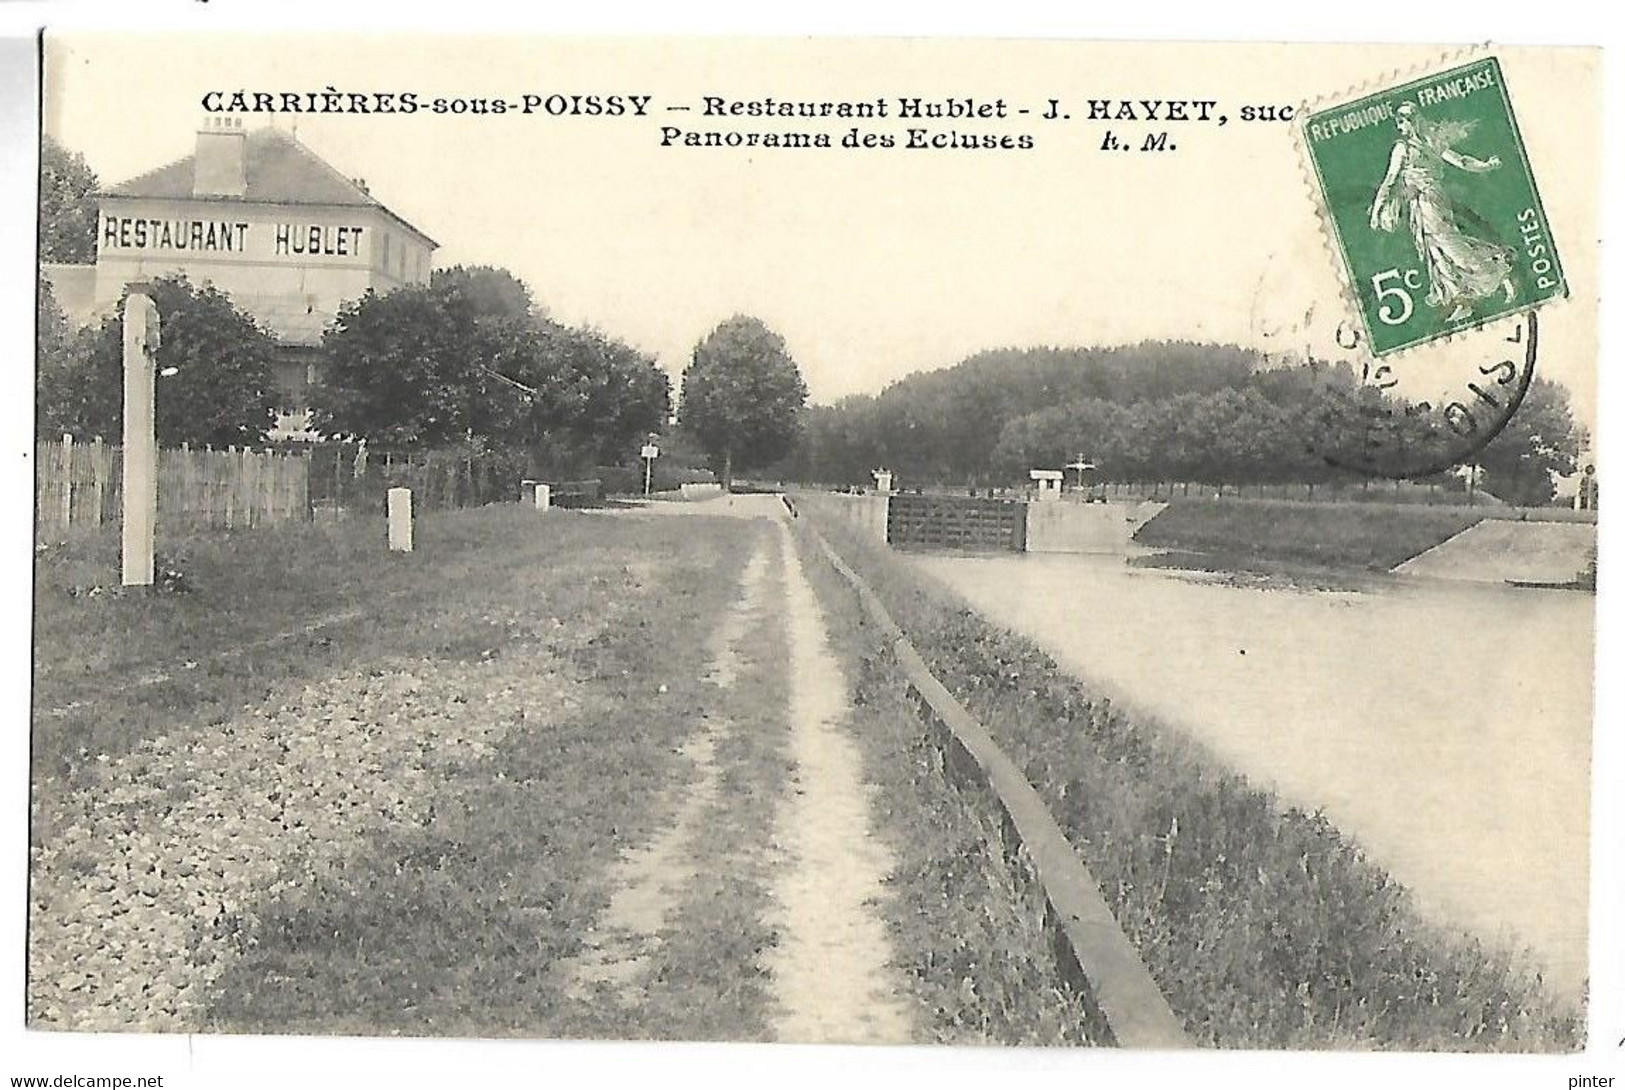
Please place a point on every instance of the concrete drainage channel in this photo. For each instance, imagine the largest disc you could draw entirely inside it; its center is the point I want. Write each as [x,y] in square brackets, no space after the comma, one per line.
[1124,1004]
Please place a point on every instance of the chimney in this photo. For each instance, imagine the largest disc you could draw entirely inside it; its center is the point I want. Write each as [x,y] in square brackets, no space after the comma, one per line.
[218,169]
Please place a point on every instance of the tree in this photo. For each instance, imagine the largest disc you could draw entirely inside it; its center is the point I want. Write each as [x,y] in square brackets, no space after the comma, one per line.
[467,355]
[1167,412]
[64,396]
[1540,440]
[742,396]
[1051,438]
[221,391]
[67,206]
[621,395]
[419,365]
[492,292]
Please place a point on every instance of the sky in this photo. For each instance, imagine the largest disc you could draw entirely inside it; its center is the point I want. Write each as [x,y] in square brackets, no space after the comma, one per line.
[871,264]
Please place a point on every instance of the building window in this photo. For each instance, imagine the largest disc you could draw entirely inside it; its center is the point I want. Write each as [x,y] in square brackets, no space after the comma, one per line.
[384,264]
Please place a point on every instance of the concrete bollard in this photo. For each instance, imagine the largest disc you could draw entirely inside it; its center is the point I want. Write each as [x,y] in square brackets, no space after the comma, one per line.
[400,520]
[544,496]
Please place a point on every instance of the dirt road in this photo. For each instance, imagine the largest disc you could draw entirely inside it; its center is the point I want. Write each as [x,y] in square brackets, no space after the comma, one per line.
[815,870]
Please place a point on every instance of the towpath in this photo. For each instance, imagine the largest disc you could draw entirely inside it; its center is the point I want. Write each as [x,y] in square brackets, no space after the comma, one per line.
[771,790]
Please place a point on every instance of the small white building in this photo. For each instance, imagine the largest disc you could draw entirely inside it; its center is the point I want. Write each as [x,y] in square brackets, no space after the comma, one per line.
[1047,483]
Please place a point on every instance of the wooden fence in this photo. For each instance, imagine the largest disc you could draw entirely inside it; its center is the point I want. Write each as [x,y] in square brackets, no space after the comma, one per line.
[347,479]
[77,488]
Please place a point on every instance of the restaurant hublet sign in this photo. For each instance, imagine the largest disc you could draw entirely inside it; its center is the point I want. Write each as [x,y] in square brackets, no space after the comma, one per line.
[257,240]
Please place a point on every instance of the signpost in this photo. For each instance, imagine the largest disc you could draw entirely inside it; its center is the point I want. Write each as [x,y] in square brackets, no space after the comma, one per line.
[1585,497]
[650,453]
[140,437]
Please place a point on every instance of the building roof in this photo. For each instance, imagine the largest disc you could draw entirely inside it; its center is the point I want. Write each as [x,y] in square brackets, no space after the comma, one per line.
[277,168]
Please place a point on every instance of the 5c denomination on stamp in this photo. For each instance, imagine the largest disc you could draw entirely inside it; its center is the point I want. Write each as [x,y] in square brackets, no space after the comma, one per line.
[1430,198]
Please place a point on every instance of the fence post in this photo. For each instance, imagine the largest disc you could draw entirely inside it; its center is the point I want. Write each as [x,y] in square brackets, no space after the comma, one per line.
[252,516]
[67,482]
[100,469]
[230,487]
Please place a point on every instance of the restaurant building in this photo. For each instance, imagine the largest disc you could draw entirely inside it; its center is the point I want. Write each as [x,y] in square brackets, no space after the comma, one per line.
[267,221]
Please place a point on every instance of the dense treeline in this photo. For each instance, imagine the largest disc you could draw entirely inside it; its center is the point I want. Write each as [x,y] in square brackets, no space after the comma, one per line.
[466,361]
[1147,411]
[1157,411]
[945,425]
[470,356]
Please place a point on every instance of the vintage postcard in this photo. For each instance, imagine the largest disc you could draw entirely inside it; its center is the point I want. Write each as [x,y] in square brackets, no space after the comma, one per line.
[1035,543]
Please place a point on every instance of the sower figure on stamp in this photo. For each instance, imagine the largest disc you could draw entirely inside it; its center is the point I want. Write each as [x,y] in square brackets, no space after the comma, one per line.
[1461,269]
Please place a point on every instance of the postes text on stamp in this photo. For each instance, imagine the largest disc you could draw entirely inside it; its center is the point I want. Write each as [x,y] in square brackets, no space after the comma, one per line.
[1430,198]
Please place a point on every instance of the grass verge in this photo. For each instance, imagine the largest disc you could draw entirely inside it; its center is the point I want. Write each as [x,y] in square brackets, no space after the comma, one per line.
[266,606]
[965,912]
[1264,926]
[394,831]
[454,926]
[1247,535]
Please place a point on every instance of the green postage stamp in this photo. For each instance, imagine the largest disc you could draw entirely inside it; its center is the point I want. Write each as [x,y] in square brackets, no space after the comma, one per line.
[1433,206]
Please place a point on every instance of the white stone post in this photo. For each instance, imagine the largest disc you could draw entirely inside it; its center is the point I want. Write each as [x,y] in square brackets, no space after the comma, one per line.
[544,496]
[140,454]
[400,520]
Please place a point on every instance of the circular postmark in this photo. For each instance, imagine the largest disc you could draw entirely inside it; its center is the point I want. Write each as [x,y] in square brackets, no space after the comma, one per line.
[1425,413]
[1405,415]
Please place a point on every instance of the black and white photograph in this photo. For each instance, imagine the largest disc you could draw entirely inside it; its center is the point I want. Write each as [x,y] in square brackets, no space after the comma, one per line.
[885,541]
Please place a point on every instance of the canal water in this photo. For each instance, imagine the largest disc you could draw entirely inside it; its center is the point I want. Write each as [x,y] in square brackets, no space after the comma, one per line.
[1446,727]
